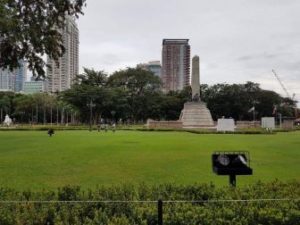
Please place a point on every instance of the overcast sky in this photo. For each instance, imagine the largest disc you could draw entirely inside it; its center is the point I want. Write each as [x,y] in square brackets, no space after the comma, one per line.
[237,40]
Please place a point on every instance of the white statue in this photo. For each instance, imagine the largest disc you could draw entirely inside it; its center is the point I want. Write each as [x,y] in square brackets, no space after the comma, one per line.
[7,120]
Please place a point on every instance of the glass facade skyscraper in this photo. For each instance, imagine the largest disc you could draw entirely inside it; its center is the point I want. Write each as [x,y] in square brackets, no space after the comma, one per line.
[152,66]
[13,80]
[20,77]
[6,80]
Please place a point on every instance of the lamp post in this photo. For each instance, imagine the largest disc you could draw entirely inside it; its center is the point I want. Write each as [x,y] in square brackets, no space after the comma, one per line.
[280,120]
[254,112]
[113,113]
[91,105]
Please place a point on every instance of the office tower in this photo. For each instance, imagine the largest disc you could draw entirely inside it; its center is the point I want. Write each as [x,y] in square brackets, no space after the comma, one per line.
[152,66]
[13,80]
[20,76]
[175,64]
[7,80]
[34,86]
[155,67]
[61,75]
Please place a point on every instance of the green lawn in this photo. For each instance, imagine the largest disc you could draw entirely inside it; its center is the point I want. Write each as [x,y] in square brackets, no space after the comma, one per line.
[32,160]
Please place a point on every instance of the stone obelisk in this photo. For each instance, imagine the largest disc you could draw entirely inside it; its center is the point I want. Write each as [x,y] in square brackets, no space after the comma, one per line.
[195,114]
[196,77]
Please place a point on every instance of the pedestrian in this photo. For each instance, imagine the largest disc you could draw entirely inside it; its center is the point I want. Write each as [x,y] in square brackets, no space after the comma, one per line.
[50,132]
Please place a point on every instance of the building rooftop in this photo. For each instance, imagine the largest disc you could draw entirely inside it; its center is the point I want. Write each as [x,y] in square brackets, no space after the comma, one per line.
[175,41]
[156,63]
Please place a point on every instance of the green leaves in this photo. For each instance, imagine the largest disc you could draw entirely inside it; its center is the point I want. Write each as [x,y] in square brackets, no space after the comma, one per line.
[132,93]
[142,213]
[31,29]
[235,100]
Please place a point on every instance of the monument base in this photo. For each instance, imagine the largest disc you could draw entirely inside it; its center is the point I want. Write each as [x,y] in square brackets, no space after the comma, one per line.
[196,115]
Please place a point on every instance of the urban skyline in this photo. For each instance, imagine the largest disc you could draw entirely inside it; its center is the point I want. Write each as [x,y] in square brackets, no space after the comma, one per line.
[59,77]
[237,41]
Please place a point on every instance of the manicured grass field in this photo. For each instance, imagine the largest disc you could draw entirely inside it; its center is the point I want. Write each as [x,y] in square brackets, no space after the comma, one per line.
[32,160]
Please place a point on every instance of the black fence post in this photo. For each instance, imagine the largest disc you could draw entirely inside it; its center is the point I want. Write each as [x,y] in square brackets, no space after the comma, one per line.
[160,212]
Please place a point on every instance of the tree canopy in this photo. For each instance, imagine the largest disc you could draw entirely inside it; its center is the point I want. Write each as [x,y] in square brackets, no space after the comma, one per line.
[31,29]
[235,100]
[129,93]
[134,95]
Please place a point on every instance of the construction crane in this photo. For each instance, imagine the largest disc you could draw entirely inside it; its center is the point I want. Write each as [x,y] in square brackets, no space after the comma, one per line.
[283,87]
[286,92]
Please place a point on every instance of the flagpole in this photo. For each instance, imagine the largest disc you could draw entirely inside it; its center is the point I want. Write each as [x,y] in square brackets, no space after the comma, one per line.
[253,115]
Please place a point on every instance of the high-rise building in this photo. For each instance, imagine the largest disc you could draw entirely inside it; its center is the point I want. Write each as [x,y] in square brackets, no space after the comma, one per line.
[13,80]
[7,80]
[152,66]
[155,67]
[34,86]
[61,74]
[20,76]
[175,64]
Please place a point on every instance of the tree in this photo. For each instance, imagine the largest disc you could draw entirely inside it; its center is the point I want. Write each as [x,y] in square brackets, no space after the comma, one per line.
[92,78]
[39,104]
[51,102]
[267,101]
[235,101]
[135,80]
[89,94]
[173,103]
[140,86]
[24,108]
[31,29]
[118,104]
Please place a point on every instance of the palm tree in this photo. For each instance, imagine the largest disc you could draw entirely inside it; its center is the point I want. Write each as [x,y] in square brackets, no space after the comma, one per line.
[52,101]
[39,102]
[24,105]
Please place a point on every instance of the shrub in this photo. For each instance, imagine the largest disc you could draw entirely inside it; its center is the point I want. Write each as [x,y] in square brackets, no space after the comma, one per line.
[145,213]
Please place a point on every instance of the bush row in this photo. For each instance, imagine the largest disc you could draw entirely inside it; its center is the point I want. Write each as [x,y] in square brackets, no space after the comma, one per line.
[139,128]
[145,213]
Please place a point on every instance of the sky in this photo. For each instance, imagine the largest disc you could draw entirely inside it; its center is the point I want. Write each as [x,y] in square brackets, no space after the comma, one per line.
[236,40]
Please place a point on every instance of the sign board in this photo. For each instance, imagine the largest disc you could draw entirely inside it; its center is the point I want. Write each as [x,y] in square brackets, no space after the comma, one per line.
[225,125]
[268,122]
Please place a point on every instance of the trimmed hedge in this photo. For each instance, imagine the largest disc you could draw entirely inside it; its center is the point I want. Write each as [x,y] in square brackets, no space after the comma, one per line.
[139,128]
[218,213]
[203,131]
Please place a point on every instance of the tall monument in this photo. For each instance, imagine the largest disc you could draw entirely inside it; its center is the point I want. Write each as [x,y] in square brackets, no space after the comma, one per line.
[195,114]
[195,78]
